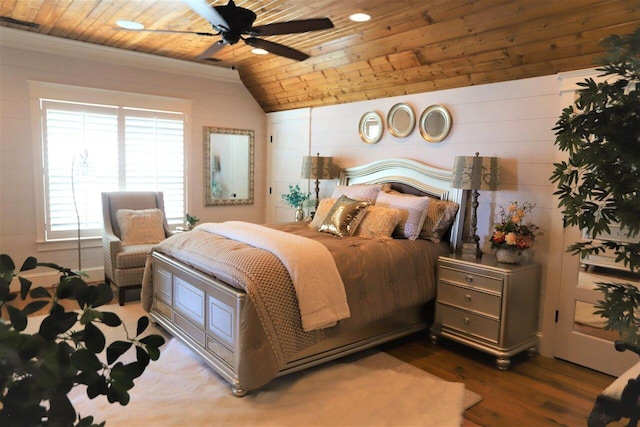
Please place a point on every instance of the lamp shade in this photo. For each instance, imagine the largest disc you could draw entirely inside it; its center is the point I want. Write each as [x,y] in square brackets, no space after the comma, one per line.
[476,173]
[316,167]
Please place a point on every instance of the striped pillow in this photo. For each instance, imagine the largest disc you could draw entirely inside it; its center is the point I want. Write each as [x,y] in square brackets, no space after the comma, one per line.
[413,210]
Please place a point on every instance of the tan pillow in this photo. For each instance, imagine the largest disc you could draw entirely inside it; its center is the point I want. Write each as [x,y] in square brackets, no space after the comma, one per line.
[139,227]
[324,207]
[344,217]
[440,216]
[366,192]
[413,210]
[378,223]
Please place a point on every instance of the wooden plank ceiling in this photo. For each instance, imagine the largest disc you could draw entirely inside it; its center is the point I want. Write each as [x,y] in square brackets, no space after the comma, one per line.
[409,46]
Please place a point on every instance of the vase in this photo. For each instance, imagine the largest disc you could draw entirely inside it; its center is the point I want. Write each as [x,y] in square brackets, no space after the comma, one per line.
[510,256]
[299,214]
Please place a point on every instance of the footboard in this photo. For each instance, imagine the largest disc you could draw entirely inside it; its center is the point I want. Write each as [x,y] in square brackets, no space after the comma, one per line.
[220,324]
[203,312]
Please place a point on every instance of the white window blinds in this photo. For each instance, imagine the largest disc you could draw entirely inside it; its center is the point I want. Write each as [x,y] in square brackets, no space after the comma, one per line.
[88,149]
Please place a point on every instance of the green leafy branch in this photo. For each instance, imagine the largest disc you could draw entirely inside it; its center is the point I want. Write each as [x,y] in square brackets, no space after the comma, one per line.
[37,371]
[619,308]
[598,185]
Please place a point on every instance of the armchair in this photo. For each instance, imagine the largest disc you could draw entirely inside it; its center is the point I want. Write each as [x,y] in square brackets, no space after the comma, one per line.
[124,263]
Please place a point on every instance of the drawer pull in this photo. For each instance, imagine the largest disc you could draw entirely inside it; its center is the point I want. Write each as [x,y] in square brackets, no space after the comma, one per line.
[467,320]
[469,278]
[467,297]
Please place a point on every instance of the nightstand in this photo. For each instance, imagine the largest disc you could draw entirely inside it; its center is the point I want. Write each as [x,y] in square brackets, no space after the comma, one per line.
[487,305]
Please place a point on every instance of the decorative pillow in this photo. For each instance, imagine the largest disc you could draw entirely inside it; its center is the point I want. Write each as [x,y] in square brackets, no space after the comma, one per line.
[378,223]
[324,207]
[344,217]
[440,216]
[413,210]
[140,227]
[362,192]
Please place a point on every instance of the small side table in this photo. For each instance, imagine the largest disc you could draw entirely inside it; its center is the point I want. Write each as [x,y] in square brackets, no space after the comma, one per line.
[487,305]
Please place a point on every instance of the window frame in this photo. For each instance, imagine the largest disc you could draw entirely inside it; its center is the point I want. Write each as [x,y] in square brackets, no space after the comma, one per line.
[98,97]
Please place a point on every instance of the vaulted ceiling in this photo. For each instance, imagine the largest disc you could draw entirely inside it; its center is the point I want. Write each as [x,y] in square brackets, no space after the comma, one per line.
[409,46]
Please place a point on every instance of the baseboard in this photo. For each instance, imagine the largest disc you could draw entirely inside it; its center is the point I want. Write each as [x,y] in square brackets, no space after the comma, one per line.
[49,278]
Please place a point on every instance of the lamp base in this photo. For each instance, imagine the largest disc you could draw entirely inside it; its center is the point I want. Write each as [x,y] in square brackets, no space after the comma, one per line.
[471,250]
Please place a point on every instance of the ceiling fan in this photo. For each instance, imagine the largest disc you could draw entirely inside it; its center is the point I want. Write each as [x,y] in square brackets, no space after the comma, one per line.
[234,23]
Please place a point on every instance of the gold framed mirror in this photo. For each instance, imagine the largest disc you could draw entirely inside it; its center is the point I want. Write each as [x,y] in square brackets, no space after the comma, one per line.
[370,127]
[435,123]
[228,166]
[401,120]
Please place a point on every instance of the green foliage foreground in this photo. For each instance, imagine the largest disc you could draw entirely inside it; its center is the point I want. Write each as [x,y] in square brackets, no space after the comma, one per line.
[37,371]
[599,184]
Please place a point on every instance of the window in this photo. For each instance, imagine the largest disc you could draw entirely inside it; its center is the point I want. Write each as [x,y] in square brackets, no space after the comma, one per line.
[90,148]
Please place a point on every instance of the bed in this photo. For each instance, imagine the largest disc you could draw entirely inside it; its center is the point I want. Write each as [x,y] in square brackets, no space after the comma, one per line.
[240,309]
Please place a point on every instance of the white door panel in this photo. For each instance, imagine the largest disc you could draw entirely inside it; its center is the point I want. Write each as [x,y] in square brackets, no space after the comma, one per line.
[290,143]
[581,337]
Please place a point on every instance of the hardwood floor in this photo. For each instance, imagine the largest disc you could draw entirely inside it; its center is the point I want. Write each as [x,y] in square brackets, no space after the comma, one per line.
[535,392]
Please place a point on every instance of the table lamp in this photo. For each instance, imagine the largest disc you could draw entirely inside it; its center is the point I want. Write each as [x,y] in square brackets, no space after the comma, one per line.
[475,173]
[318,168]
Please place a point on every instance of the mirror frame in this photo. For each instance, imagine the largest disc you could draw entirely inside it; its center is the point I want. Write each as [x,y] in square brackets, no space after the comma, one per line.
[208,199]
[423,123]
[391,120]
[361,127]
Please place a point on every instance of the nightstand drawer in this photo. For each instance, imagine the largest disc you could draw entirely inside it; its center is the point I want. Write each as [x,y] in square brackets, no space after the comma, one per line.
[471,279]
[465,297]
[469,323]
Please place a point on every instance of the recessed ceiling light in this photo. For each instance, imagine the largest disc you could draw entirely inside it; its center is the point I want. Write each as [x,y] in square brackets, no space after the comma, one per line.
[130,25]
[359,17]
[259,51]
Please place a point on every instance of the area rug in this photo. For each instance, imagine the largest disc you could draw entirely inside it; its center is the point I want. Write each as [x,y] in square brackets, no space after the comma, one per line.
[368,389]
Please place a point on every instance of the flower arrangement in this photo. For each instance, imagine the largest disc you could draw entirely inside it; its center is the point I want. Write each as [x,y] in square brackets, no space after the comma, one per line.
[295,197]
[510,230]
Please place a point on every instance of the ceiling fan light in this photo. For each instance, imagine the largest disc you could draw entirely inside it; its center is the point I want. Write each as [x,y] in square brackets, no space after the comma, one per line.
[130,25]
[259,51]
[359,17]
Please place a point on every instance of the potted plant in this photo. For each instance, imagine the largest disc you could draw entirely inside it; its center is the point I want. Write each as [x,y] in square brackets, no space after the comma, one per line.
[598,185]
[216,189]
[38,371]
[512,236]
[296,199]
[191,221]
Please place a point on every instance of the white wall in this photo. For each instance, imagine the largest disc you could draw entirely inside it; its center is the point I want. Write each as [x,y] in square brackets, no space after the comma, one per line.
[511,120]
[218,99]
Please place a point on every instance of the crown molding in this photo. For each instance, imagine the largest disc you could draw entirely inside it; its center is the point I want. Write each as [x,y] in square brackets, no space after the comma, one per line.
[26,40]
[569,79]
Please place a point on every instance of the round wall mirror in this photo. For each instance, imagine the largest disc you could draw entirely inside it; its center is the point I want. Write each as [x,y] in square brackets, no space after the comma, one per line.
[435,123]
[401,120]
[370,127]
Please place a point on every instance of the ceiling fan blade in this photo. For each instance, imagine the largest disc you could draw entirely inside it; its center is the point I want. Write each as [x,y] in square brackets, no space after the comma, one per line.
[209,13]
[276,48]
[212,50]
[290,27]
[198,33]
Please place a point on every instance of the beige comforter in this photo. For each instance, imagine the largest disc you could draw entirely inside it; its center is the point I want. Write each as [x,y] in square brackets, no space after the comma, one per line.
[380,277]
[321,297]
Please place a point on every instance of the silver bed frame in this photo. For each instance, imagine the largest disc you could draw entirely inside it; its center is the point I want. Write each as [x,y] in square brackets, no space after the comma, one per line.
[206,314]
